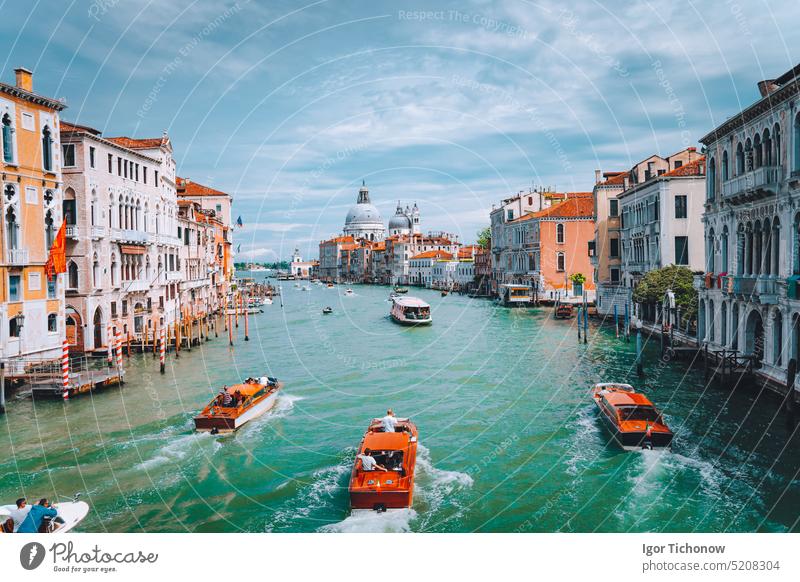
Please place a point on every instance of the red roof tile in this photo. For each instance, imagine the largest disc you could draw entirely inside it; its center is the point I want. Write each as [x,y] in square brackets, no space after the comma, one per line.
[148,143]
[441,255]
[578,207]
[695,168]
[188,188]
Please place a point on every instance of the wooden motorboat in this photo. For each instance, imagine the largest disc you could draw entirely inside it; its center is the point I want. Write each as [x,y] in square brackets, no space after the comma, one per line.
[72,512]
[563,311]
[411,311]
[445,292]
[248,400]
[401,289]
[630,417]
[329,285]
[327,310]
[378,490]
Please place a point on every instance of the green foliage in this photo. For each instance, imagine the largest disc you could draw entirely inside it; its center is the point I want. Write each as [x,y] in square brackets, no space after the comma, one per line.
[577,278]
[485,237]
[654,285]
[282,265]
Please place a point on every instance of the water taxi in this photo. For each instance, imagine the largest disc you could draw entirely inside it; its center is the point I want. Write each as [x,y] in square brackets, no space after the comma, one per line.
[411,311]
[563,311]
[632,419]
[401,289]
[327,310]
[71,512]
[247,401]
[329,285]
[378,490]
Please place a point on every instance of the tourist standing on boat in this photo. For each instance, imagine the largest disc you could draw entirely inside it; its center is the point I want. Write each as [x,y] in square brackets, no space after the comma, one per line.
[36,516]
[389,422]
[20,513]
[368,462]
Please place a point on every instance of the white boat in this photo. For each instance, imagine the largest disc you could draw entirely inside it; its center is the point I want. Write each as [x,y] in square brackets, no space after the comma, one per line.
[72,512]
[257,398]
[241,310]
[410,311]
[266,301]
[349,292]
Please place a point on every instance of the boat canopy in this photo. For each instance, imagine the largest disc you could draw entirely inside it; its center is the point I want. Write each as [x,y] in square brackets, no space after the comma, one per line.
[627,399]
[246,389]
[614,386]
[410,302]
[386,441]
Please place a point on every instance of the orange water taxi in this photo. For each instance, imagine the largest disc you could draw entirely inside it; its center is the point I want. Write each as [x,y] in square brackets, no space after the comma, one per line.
[396,452]
[630,416]
[410,311]
[238,404]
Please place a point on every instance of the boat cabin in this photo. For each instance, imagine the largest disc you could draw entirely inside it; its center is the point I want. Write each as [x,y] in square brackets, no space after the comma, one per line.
[514,295]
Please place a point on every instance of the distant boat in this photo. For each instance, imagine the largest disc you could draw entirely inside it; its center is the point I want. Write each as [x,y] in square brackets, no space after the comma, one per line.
[329,285]
[444,292]
[327,310]
[563,311]
[401,289]
[411,311]
[348,292]
[306,288]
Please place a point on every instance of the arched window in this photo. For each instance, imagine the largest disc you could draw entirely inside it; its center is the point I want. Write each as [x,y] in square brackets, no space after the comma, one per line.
[766,247]
[710,316]
[710,251]
[757,154]
[767,148]
[96,272]
[723,323]
[777,338]
[8,139]
[776,149]
[52,322]
[47,149]
[113,270]
[560,262]
[49,230]
[121,212]
[740,250]
[776,247]
[111,211]
[748,155]
[72,275]
[739,159]
[712,179]
[157,218]
[560,233]
[724,251]
[93,209]
[725,171]
[796,166]
[12,229]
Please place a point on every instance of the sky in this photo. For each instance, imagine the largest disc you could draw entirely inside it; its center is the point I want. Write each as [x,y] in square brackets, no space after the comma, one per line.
[289,105]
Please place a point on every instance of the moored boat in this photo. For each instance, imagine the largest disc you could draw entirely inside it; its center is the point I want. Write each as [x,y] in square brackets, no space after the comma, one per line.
[379,490]
[563,311]
[238,404]
[630,417]
[401,289]
[251,310]
[70,512]
[327,310]
[411,311]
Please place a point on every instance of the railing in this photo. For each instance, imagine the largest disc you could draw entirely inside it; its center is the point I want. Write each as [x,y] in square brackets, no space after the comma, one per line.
[174,276]
[99,231]
[128,235]
[72,231]
[137,285]
[17,256]
[765,176]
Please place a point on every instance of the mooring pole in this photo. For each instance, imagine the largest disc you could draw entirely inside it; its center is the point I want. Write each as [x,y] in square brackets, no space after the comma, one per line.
[616,322]
[627,324]
[585,319]
[639,367]
[2,387]
[791,372]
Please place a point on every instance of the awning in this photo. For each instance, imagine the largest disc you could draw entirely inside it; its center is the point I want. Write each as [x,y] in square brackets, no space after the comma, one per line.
[132,249]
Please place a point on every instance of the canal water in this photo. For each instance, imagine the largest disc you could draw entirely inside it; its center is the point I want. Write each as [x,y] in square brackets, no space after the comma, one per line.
[509,438]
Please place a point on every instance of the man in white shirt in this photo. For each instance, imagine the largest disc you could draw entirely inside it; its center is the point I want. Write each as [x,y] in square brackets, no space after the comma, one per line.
[389,422]
[20,513]
[368,462]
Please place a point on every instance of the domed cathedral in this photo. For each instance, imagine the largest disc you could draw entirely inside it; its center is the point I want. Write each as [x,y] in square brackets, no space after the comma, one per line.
[364,220]
[404,221]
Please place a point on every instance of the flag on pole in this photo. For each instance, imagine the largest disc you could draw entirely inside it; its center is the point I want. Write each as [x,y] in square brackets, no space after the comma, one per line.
[57,258]
[239,222]
[239,249]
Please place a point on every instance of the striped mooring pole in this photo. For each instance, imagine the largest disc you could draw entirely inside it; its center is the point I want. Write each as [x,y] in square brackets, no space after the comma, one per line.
[65,370]
[246,326]
[119,355]
[163,351]
[110,341]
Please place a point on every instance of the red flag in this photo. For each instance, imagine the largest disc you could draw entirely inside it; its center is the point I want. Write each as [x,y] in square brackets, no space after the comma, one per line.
[57,259]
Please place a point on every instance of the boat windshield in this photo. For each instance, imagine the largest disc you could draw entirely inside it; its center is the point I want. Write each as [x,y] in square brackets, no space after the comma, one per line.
[417,312]
[646,413]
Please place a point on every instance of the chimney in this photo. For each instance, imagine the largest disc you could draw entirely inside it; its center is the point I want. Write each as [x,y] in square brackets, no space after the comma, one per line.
[767,86]
[597,175]
[625,182]
[24,79]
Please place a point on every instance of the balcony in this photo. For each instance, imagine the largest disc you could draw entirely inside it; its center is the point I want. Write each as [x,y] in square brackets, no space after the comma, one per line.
[72,231]
[17,256]
[172,276]
[130,236]
[137,285]
[755,184]
[167,239]
[99,232]
[765,290]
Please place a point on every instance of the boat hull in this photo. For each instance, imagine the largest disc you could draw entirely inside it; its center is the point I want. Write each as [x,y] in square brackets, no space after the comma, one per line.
[223,424]
[401,321]
[72,512]
[636,440]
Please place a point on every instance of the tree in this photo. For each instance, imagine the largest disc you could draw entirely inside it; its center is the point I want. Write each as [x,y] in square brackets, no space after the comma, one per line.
[654,285]
[485,237]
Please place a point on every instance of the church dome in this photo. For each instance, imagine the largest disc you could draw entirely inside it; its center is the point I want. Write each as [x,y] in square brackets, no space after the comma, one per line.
[400,220]
[363,213]
[363,220]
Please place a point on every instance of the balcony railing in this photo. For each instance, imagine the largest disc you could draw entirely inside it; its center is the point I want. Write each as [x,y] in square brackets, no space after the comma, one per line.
[137,285]
[72,231]
[99,232]
[127,235]
[763,178]
[17,256]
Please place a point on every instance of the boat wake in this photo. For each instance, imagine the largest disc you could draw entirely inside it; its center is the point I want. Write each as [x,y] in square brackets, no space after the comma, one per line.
[176,450]
[368,521]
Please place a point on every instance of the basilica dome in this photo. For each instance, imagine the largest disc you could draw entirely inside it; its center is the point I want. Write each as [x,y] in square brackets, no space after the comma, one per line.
[363,220]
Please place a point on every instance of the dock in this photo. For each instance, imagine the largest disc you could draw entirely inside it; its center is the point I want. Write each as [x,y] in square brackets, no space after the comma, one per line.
[79,383]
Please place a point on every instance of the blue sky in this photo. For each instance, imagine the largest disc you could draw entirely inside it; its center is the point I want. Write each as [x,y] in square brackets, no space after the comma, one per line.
[289,105]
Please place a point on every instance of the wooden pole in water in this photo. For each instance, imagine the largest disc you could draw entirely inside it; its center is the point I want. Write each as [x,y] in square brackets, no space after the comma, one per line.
[162,352]
[177,339]
[65,370]
[110,342]
[189,332]
[639,367]
[237,300]
[230,332]
[246,326]
[155,335]
[119,356]
[616,322]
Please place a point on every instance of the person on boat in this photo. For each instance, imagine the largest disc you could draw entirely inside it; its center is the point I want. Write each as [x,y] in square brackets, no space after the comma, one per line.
[36,517]
[238,398]
[20,513]
[389,422]
[368,462]
[227,399]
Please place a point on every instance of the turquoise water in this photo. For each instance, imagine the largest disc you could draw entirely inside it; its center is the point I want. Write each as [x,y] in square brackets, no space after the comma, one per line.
[509,438]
